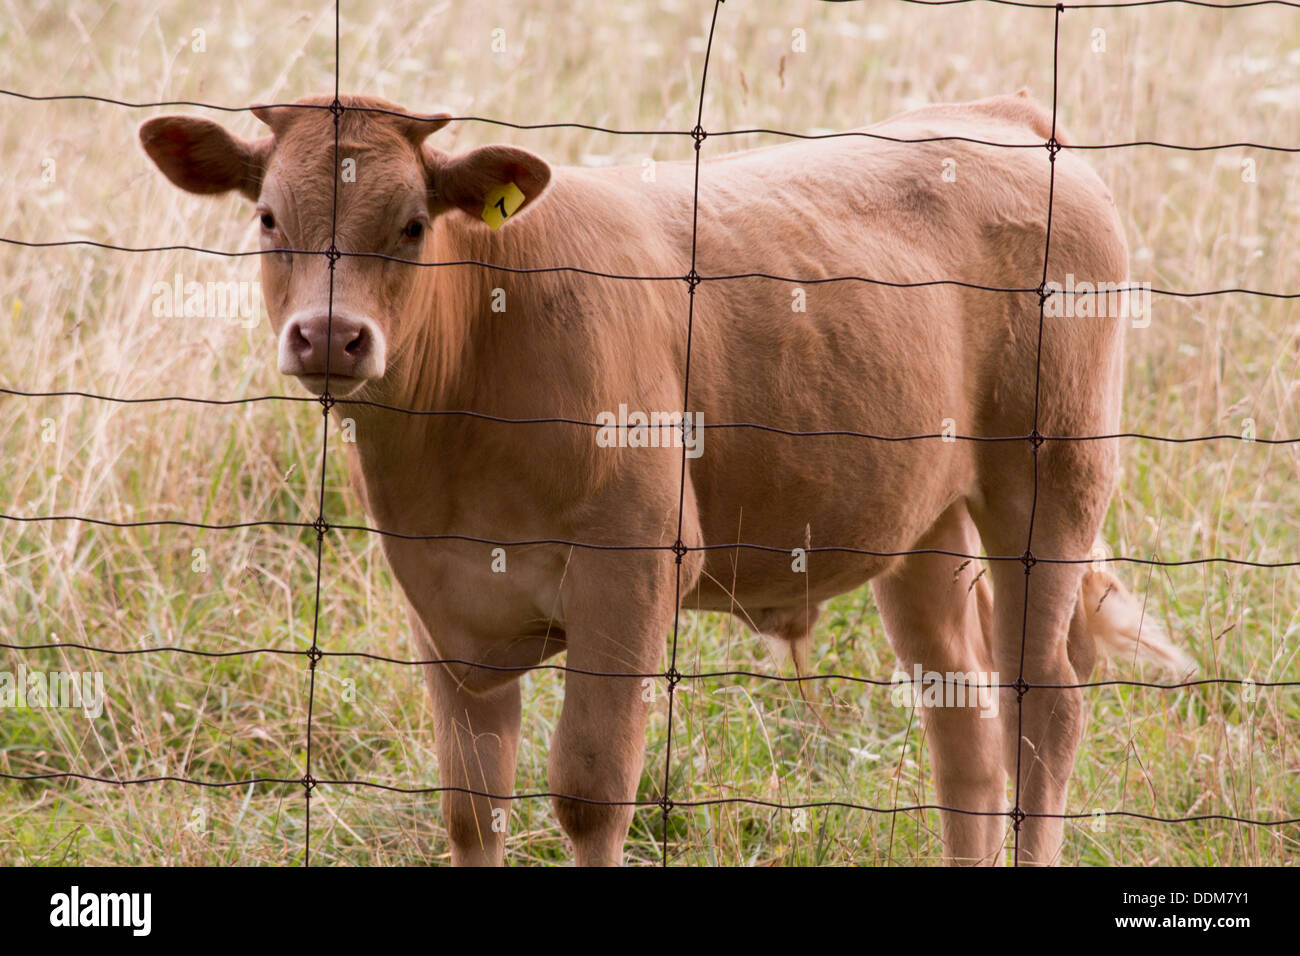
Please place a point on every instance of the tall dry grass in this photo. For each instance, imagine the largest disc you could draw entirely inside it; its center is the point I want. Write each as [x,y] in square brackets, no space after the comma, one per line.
[80,318]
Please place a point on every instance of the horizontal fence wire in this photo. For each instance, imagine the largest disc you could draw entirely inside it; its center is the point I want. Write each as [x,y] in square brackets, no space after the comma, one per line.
[693,279]
[321,528]
[644,804]
[698,675]
[696,278]
[584,423]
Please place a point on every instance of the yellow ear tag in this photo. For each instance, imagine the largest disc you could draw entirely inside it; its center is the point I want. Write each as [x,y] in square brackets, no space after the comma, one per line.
[502,203]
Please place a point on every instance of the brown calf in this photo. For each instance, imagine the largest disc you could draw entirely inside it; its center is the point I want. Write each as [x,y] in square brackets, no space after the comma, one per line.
[862,356]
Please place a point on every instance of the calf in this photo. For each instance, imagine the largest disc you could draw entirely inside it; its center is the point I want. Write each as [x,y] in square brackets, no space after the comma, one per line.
[797,354]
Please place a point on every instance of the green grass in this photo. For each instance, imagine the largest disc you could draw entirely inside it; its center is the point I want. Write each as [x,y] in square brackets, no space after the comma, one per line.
[80,318]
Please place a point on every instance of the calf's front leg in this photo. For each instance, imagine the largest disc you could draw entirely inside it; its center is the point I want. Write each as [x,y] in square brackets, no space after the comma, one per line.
[477,738]
[615,623]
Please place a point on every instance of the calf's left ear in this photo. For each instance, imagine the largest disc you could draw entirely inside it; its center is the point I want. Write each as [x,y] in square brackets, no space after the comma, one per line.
[479,182]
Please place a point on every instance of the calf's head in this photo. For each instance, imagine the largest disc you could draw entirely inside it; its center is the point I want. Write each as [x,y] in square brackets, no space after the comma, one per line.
[378,203]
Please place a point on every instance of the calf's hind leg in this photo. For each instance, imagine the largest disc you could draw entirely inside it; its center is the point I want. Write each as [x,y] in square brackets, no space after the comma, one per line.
[930,608]
[1042,728]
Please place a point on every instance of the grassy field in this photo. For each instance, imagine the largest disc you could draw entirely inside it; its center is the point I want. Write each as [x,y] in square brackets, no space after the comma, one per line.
[80,318]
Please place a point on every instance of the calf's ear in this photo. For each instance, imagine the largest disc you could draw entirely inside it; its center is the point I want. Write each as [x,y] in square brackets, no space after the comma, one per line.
[474,180]
[201,157]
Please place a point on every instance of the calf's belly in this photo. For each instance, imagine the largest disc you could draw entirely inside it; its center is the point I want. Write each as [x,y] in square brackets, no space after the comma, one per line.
[863,501]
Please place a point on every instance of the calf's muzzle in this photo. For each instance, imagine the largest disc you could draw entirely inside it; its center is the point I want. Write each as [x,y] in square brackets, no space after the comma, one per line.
[352,347]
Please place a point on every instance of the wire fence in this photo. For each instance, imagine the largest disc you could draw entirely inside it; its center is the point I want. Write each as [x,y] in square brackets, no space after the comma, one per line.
[693,279]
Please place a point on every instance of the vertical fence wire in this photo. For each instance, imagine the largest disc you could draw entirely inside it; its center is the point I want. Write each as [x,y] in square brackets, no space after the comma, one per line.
[321,525]
[672,676]
[1035,443]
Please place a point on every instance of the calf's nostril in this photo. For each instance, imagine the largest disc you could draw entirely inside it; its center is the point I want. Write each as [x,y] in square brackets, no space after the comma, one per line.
[357,346]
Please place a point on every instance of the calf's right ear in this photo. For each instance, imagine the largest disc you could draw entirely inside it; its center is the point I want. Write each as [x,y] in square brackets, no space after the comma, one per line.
[199,156]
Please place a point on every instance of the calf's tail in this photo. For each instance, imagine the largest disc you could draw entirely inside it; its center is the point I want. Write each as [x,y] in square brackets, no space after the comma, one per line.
[1115,620]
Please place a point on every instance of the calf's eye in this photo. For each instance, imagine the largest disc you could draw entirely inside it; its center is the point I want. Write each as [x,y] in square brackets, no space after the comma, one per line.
[268,221]
[414,229]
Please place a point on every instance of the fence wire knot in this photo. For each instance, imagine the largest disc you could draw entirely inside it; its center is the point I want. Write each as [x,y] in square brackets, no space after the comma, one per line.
[326,401]
[1017,818]
[699,135]
[679,549]
[308,783]
[673,676]
[314,654]
[1028,560]
[333,254]
[321,526]
[1022,687]
[337,109]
